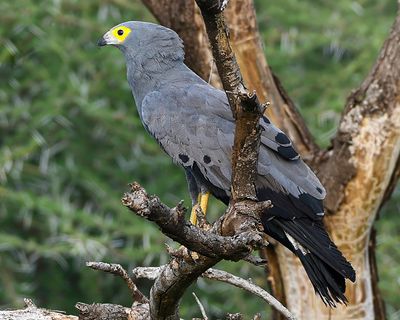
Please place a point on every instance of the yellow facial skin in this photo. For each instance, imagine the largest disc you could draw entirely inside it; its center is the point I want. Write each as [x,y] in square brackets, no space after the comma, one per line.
[120,33]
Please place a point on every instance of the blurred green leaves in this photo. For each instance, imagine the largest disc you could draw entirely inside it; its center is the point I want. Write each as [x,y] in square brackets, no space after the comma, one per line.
[70,141]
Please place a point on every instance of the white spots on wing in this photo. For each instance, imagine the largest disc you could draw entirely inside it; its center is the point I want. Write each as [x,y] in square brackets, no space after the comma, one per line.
[297,245]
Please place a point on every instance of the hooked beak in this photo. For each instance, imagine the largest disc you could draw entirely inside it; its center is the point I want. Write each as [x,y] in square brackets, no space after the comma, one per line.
[102,42]
[108,38]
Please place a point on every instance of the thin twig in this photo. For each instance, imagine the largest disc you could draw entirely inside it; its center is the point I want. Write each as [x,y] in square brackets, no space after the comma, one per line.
[248,286]
[214,274]
[202,310]
[29,303]
[117,269]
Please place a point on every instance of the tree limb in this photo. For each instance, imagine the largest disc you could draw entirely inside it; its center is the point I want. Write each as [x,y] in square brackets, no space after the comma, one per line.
[208,243]
[153,273]
[33,312]
[117,269]
[183,269]
[248,286]
[106,311]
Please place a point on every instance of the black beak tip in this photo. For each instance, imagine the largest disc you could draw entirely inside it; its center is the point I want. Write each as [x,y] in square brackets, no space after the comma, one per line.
[102,42]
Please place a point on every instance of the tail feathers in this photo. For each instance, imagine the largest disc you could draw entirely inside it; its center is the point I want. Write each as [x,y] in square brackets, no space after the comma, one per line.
[329,284]
[325,265]
[312,236]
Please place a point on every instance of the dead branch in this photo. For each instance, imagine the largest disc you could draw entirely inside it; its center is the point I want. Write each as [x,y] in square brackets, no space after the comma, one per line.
[201,307]
[152,273]
[248,286]
[33,312]
[208,243]
[106,311]
[183,269]
[117,269]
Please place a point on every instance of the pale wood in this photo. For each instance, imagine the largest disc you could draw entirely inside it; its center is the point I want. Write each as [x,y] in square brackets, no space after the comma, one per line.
[31,312]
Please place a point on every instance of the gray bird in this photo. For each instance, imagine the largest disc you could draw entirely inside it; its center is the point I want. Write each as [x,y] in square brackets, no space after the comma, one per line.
[193,124]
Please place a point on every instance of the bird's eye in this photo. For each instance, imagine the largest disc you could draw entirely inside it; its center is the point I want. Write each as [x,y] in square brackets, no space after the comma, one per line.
[120,33]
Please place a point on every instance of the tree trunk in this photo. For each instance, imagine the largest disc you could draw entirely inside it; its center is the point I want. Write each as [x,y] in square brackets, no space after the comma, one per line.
[359,170]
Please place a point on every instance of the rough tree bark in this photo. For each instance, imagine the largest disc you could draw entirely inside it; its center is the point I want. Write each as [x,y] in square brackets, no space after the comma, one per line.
[359,170]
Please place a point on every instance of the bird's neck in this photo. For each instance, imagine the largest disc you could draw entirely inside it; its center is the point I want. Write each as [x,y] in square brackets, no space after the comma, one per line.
[151,71]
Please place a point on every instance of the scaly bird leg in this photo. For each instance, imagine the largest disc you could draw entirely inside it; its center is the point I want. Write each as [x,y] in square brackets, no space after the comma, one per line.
[193,215]
[202,200]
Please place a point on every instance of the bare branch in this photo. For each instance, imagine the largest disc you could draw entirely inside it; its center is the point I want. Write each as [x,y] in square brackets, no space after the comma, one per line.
[117,269]
[219,275]
[174,279]
[33,312]
[248,286]
[210,244]
[151,273]
[106,311]
[242,220]
[202,310]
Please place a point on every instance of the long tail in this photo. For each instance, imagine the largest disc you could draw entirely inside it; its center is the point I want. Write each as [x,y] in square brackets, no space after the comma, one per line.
[325,265]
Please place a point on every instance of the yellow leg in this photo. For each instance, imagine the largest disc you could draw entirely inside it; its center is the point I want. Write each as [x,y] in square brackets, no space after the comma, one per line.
[202,199]
[204,202]
[193,215]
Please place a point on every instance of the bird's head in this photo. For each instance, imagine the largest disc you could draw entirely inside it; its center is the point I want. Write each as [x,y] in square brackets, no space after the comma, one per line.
[142,39]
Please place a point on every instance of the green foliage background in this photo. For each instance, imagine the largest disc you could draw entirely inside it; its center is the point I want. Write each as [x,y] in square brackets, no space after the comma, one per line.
[70,141]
